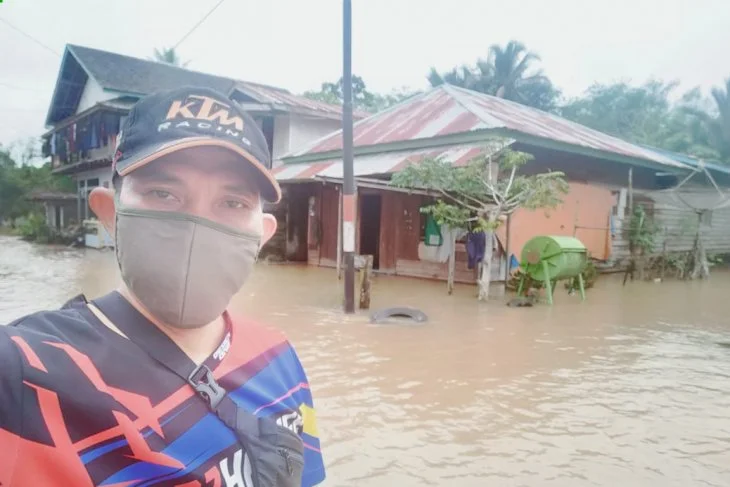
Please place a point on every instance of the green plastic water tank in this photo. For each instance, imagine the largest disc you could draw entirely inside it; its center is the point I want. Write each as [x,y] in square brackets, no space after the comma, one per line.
[566,257]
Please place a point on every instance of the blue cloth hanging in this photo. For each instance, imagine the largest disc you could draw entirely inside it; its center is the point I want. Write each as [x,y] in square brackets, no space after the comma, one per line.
[476,244]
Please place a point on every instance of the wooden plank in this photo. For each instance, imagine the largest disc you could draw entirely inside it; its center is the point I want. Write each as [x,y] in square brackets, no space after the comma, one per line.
[329,207]
[409,227]
[390,210]
[434,270]
[365,274]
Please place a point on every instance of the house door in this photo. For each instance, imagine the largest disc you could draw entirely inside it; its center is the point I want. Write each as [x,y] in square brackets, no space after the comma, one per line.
[57,209]
[370,209]
[296,235]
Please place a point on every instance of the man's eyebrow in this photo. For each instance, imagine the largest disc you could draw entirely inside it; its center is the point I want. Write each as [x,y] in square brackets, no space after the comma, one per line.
[240,190]
[156,177]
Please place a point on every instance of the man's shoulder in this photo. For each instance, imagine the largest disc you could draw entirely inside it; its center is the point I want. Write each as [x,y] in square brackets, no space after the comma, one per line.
[257,333]
[60,323]
[261,346]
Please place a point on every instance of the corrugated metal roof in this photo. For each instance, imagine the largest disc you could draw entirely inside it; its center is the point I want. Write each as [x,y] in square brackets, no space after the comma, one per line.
[448,110]
[382,163]
[136,76]
[691,161]
[274,96]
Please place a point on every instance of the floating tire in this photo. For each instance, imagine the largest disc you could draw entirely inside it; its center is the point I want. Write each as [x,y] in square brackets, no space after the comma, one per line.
[384,315]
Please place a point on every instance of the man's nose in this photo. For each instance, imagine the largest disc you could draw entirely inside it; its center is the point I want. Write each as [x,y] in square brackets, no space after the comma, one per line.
[200,205]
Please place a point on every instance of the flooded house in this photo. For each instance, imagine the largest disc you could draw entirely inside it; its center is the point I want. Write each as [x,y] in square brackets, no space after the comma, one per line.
[95,90]
[457,125]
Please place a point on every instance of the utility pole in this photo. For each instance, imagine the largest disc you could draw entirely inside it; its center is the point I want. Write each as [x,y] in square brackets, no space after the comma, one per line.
[348,184]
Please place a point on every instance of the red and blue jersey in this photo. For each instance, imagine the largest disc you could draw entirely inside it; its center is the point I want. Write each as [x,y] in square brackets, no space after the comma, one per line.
[81,405]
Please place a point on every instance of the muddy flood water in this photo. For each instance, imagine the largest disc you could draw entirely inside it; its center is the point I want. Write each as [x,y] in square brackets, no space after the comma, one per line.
[630,388]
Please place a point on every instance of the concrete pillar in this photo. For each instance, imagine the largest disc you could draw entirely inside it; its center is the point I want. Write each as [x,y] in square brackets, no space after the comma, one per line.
[86,199]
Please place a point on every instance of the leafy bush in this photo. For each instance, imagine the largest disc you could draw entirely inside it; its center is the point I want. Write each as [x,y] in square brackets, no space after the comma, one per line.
[34,229]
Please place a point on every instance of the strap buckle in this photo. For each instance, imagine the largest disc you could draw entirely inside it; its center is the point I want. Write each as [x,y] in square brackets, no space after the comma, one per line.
[204,383]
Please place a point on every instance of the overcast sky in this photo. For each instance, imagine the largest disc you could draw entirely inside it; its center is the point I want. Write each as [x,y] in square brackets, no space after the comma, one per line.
[296,44]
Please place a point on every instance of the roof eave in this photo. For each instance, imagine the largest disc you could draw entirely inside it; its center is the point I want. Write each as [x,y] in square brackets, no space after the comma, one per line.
[476,136]
[69,50]
[586,151]
[55,88]
[68,121]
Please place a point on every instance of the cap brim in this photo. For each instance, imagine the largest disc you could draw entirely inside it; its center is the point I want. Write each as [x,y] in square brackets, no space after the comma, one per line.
[269,187]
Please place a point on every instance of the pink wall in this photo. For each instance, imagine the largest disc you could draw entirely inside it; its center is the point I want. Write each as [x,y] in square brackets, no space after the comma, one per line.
[584,206]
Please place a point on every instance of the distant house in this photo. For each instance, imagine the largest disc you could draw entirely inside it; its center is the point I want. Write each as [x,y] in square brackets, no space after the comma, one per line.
[95,90]
[455,124]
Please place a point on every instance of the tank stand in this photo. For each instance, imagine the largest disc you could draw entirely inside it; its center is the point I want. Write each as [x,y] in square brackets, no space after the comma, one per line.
[582,285]
[548,284]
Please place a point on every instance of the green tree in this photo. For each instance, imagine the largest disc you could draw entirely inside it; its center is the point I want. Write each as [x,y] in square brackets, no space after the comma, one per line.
[362,98]
[716,121]
[169,56]
[508,73]
[19,180]
[483,192]
[644,114]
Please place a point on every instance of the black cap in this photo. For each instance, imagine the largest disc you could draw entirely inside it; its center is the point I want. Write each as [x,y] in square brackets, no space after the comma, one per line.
[168,121]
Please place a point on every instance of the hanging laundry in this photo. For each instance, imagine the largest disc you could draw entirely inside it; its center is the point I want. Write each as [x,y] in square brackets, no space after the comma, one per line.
[102,131]
[450,236]
[94,142]
[476,244]
[433,232]
[72,139]
[513,262]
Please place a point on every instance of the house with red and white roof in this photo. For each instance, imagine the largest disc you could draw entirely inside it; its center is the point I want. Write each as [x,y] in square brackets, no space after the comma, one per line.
[459,125]
[95,89]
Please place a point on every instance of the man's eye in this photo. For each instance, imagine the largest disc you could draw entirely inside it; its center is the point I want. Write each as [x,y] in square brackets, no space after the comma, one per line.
[233,204]
[163,195]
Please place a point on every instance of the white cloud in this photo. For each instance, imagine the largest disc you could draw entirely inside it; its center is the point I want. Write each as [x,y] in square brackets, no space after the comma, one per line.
[297,45]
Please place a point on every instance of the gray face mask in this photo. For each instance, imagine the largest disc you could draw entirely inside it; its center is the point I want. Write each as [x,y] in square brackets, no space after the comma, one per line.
[183,269]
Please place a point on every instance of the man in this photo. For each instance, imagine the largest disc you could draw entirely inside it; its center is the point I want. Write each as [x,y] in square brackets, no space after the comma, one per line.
[155,383]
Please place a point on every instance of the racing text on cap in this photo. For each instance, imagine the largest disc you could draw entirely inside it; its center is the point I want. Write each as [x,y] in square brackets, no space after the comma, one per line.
[205,113]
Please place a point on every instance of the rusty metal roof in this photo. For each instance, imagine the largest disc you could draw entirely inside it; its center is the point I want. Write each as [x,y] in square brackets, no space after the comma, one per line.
[449,110]
[275,96]
[385,162]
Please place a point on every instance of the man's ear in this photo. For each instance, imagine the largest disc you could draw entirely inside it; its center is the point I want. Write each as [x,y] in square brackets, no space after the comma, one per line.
[101,201]
[270,225]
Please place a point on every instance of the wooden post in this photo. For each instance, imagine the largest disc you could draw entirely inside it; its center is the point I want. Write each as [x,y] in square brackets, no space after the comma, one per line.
[632,250]
[86,199]
[631,191]
[339,235]
[365,274]
[79,220]
[452,263]
[507,249]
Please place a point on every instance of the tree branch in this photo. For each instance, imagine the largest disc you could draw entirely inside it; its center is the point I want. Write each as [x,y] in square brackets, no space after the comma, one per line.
[511,180]
[458,201]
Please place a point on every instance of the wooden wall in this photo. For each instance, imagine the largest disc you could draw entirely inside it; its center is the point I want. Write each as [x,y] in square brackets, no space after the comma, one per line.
[322,224]
[400,236]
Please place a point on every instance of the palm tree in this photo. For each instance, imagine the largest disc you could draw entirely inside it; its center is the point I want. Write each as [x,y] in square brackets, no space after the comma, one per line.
[714,128]
[509,66]
[719,127]
[504,73]
[169,56]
